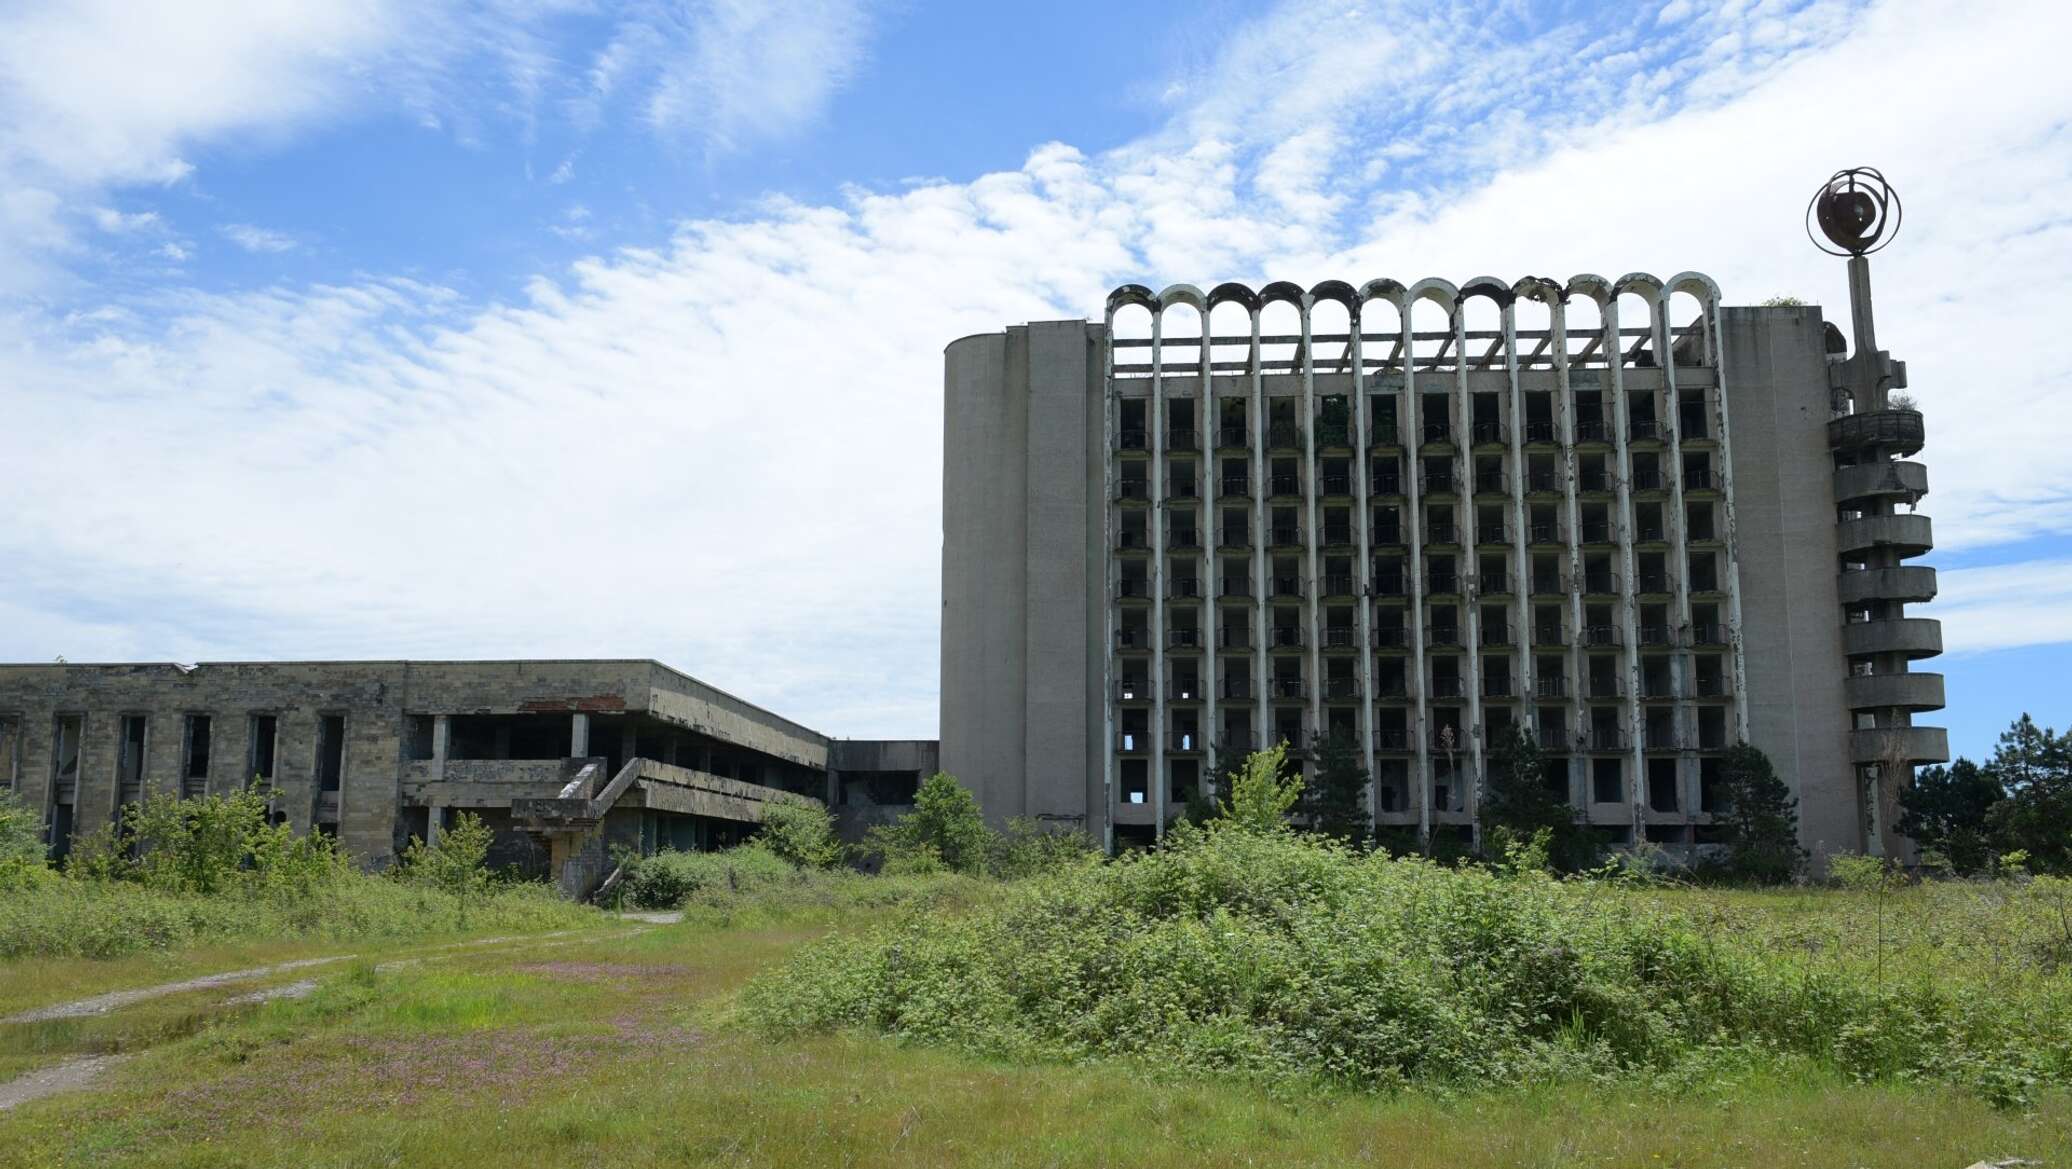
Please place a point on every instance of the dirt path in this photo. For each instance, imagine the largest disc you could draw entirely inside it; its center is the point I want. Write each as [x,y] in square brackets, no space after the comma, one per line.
[101,1004]
[64,1077]
[81,1071]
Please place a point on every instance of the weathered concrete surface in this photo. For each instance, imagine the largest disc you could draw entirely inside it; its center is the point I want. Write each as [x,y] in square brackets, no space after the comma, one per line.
[388,789]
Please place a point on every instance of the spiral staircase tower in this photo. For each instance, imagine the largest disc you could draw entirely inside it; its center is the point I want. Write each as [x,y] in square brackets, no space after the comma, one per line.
[1873,441]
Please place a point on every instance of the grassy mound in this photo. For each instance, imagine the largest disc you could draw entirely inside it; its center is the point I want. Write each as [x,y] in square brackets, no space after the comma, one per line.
[1280,958]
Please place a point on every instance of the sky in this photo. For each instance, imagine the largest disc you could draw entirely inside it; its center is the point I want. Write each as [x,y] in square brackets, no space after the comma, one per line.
[558,328]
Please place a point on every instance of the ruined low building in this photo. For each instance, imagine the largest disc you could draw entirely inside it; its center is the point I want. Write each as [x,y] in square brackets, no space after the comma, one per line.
[565,760]
[1635,523]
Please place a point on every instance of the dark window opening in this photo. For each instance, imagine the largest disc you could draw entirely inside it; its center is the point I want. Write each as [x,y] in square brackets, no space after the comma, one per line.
[330,752]
[260,760]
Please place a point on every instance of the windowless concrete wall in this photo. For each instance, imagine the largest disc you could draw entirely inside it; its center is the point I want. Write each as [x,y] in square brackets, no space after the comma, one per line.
[1022,516]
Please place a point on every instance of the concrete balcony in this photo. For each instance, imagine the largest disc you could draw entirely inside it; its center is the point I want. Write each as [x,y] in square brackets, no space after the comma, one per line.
[1913,744]
[1916,637]
[1914,584]
[1910,535]
[1899,429]
[1884,479]
[1904,691]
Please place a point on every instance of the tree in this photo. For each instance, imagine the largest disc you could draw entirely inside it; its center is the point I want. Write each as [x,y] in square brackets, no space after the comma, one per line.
[1758,817]
[1946,810]
[801,834]
[455,863]
[945,825]
[2033,765]
[21,844]
[1261,792]
[1336,803]
[1518,803]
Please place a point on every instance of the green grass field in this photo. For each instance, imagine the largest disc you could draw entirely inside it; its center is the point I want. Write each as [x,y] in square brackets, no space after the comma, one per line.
[621,1044]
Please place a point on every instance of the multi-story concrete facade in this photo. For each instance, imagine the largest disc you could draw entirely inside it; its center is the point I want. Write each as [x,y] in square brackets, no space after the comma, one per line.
[1637,524]
[564,759]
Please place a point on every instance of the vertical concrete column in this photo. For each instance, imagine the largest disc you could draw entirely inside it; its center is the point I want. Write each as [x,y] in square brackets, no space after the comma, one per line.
[1572,590]
[1155,422]
[1412,414]
[1256,436]
[442,745]
[1724,472]
[1682,679]
[1110,432]
[1363,576]
[1520,606]
[1211,486]
[1468,581]
[1629,609]
[629,744]
[1312,588]
[579,735]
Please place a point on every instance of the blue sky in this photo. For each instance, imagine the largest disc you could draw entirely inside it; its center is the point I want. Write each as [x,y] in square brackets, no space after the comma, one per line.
[549,327]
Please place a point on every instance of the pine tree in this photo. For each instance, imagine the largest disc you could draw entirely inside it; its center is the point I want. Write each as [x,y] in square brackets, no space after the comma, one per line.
[1335,803]
[1518,803]
[1946,810]
[2034,766]
[1758,817]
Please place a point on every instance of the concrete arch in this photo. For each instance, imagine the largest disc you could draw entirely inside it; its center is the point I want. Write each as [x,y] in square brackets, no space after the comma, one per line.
[1282,290]
[1129,294]
[1179,294]
[1231,290]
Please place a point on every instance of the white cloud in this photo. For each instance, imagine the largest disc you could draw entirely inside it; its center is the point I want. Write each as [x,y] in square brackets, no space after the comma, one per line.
[2004,605]
[725,72]
[115,222]
[107,91]
[724,450]
[177,253]
[258,239]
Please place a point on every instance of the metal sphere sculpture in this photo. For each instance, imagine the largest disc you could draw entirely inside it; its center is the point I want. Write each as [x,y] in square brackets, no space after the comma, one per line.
[1857,210]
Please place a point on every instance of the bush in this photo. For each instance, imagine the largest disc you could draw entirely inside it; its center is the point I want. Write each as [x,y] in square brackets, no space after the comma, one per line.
[802,834]
[454,863]
[1029,849]
[944,831]
[21,845]
[1288,958]
[671,880]
[1261,792]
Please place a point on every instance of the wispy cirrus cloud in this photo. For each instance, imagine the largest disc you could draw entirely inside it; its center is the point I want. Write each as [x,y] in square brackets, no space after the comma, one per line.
[258,239]
[726,72]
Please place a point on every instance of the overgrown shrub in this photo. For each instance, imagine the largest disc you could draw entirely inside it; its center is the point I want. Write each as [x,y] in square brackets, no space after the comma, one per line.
[1030,849]
[670,880]
[944,831]
[1292,959]
[454,863]
[21,845]
[801,833]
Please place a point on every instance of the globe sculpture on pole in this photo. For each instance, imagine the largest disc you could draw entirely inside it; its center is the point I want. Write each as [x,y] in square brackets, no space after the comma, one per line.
[1857,210]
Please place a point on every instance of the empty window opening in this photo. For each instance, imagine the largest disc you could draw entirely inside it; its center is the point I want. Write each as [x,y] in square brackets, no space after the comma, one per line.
[194,770]
[259,758]
[1607,781]
[129,765]
[330,752]
[1662,785]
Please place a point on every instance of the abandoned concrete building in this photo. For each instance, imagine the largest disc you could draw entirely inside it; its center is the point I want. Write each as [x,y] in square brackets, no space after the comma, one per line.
[564,759]
[1640,525]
